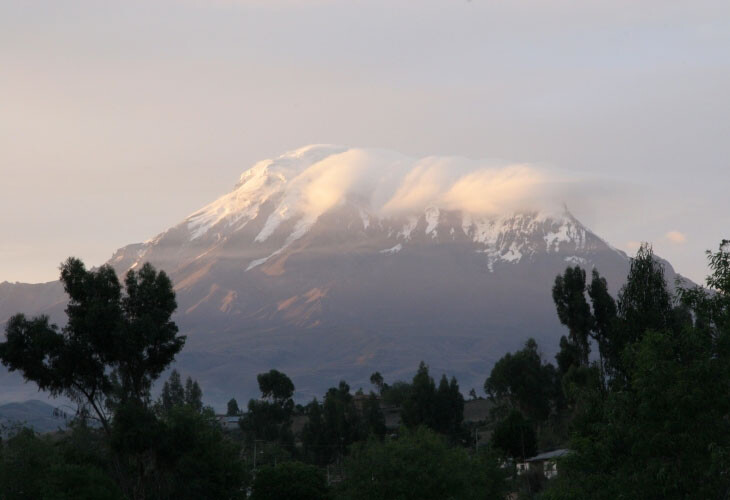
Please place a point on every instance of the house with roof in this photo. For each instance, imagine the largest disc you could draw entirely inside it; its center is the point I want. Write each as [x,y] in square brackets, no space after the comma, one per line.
[547,463]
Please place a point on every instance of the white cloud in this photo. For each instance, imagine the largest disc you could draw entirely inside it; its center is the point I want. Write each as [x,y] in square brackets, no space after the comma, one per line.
[675,237]
[390,183]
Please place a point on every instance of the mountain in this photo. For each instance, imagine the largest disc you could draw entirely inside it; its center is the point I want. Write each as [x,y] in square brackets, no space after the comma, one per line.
[329,263]
[38,415]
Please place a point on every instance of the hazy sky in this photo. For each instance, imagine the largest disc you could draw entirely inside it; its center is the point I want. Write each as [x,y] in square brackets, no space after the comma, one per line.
[119,119]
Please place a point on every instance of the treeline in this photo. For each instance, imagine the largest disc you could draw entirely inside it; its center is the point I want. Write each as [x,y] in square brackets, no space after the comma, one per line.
[649,416]
[123,443]
[345,437]
[639,394]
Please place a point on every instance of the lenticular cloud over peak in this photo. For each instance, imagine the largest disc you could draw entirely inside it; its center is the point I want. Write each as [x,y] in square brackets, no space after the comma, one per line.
[315,178]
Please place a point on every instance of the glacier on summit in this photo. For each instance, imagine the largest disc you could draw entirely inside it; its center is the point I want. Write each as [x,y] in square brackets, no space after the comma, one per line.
[391,192]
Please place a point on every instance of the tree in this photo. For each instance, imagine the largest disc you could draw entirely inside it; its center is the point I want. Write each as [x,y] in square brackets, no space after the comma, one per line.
[419,465]
[396,394]
[318,444]
[196,461]
[573,310]
[377,380]
[342,421]
[193,394]
[269,418]
[644,302]
[233,409]
[373,419]
[116,343]
[275,386]
[568,356]
[449,407]
[26,460]
[338,422]
[711,308]
[113,346]
[290,480]
[515,437]
[36,467]
[173,392]
[521,380]
[441,409]
[604,320]
[662,432]
[418,408]
[79,482]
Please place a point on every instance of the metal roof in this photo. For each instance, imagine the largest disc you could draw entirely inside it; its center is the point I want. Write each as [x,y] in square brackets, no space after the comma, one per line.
[548,455]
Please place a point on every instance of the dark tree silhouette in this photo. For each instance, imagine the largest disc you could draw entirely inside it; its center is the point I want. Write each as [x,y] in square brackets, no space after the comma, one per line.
[116,342]
[573,309]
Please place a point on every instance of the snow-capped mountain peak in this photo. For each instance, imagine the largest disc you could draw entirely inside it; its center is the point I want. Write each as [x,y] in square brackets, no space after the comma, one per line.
[278,201]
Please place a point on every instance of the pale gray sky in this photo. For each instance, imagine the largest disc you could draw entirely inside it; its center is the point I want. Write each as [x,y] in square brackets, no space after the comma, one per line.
[120,118]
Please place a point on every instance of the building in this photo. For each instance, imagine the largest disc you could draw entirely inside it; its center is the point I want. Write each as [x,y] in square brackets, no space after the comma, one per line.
[228,422]
[546,462]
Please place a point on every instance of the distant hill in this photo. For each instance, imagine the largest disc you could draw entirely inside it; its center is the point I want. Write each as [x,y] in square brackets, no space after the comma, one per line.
[38,415]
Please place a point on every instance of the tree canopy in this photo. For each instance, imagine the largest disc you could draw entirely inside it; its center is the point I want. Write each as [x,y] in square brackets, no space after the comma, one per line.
[117,340]
[419,465]
[523,381]
[661,428]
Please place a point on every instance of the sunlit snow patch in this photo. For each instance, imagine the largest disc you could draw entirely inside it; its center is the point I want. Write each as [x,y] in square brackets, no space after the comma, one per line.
[394,249]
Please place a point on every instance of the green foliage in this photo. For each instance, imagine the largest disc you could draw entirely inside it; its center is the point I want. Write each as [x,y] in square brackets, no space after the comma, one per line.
[418,408]
[440,409]
[644,303]
[372,417]
[113,346]
[269,418]
[276,386]
[419,465]
[290,481]
[521,380]
[711,310]
[135,430]
[661,430]
[197,461]
[33,467]
[604,319]
[317,441]
[377,380]
[333,426]
[232,408]
[173,392]
[573,309]
[449,410]
[79,482]
[26,460]
[568,355]
[396,394]
[338,422]
[193,394]
[116,343]
[515,437]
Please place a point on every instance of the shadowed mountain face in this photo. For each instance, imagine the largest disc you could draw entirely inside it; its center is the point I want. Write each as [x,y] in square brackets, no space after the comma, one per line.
[342,291]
